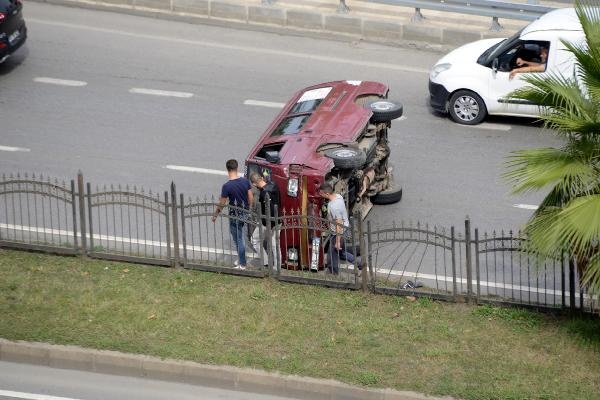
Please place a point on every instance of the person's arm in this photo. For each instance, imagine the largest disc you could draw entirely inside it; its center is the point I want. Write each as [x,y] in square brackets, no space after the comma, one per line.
[250,199]
[538,67]
[222,202]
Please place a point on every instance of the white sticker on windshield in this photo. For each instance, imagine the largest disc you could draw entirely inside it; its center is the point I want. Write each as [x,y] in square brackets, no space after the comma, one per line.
[315,94]
[354,83]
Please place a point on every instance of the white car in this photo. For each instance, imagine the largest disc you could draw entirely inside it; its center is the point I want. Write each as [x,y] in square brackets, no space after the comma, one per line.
[474,80]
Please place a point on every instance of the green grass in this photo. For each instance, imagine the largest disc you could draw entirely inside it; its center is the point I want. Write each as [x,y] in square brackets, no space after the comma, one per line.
[438,348]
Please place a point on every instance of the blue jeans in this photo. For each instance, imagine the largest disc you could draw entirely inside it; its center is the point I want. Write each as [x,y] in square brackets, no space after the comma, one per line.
[335,255]
[236,228]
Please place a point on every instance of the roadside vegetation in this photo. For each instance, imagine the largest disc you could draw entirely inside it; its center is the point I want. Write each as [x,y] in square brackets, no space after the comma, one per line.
[568,219]
[470,352]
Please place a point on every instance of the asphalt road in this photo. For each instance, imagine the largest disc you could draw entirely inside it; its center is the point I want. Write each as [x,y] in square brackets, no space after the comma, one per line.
[22,381]
[82,95]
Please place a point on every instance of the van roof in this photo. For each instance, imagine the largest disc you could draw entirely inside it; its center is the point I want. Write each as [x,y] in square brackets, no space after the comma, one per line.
[562,19]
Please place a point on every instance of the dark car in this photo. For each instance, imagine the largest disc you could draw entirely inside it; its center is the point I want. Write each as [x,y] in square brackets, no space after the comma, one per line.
[13,31]
[334,132]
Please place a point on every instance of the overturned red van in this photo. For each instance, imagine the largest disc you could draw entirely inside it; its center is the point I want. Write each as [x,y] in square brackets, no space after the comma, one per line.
[335,132]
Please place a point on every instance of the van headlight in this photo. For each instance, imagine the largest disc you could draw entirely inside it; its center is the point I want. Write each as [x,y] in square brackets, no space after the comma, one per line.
[292,254]
[292,189]
[439,69]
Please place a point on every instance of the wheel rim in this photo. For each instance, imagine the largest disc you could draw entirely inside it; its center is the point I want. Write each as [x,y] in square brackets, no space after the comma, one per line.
[345,153]
[382,106]
[466,108]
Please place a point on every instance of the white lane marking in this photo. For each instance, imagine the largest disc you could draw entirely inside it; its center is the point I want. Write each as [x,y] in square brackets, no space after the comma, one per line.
[61,82]
[197,170]
[155,92]
[217,251]
[9,148]
[260,103]
[526,206]
[250,49]
[31,396]
[490,126]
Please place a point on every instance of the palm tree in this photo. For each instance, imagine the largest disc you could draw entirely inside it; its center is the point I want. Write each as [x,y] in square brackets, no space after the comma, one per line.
[568,219]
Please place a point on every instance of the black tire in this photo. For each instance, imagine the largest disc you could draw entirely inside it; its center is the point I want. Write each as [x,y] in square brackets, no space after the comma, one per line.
[389,196]
[347,157]
[385,110]
[467,108]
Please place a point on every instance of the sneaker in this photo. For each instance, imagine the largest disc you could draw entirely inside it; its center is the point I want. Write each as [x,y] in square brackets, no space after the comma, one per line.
[240,267]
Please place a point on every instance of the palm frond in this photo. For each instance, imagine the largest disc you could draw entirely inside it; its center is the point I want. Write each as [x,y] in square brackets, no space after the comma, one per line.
[580,220]
[591,275]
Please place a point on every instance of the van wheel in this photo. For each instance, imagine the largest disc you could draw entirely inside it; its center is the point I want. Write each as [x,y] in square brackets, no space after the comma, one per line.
[385,110]
[347,157]
[388,196]
[467,108]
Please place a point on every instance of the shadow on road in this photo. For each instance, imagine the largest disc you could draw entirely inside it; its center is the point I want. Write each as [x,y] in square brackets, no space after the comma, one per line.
[14,60]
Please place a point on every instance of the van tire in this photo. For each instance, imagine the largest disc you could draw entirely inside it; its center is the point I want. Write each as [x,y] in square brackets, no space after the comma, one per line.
[467,108]
[385,110]
[347,157]
[388,196]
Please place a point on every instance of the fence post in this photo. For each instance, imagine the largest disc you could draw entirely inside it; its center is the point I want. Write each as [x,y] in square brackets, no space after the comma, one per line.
[572,284]
[268,233]
[81,194]
[90,222]
[278,255]
[562,281]
[369,256]
[183,238]
[74,210]
[174,224]
[468,259]
[453,246]
[477,268]
[167,226]
[363,249]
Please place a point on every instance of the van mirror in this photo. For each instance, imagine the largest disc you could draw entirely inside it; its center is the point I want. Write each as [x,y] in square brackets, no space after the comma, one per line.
[495,65]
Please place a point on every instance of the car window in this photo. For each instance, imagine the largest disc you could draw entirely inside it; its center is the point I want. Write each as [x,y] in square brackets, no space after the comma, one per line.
[525,50]
[290,125]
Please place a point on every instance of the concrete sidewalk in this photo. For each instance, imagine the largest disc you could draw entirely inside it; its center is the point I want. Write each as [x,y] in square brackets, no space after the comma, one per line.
[368,21]
[231,378]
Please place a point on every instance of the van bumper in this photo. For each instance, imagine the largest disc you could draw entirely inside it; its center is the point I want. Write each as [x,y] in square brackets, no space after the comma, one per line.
[438,97]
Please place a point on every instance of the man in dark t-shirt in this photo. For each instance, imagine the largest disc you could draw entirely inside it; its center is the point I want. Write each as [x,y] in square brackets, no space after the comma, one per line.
[270,190]
[238,192]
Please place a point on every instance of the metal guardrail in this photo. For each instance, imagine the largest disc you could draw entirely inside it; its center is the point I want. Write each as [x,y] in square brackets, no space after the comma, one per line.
[486,8]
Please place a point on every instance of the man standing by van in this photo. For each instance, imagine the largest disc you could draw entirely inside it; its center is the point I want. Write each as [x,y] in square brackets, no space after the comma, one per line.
[270,190]
[239,193]
[339,223]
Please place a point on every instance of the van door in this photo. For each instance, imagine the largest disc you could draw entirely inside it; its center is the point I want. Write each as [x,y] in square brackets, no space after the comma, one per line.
[501,85]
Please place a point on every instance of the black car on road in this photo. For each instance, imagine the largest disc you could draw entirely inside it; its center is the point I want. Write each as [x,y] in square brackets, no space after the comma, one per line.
[13,31]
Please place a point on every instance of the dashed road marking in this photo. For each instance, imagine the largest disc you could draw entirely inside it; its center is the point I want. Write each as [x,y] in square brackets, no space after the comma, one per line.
[31,396]
[196,170]
[60,82]
[526,206]
[13,149]
[155,92]
[260,103]
[490,126]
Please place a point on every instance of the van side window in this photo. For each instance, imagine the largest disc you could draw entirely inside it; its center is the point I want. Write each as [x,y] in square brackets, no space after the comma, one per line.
[524,53]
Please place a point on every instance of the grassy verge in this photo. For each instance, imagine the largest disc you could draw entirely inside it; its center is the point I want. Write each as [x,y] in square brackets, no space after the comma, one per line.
[381,341]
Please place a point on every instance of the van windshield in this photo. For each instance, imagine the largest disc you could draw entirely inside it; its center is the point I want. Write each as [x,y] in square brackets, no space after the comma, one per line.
[488,56]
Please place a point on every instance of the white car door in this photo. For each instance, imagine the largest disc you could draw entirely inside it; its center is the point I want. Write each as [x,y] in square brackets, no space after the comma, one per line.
[501,85]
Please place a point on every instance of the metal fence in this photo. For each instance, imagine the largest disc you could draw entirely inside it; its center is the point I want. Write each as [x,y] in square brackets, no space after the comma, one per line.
[132,224]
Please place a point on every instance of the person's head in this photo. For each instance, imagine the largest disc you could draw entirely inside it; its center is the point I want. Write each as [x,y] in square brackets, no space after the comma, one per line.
[544,54]
[257,180]
[326,190]
[231,165]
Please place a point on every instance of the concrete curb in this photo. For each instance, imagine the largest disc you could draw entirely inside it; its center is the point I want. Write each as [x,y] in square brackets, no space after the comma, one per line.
[283,20]
[232,378]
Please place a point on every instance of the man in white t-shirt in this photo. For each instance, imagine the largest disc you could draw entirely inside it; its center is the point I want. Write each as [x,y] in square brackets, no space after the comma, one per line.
[338,218]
